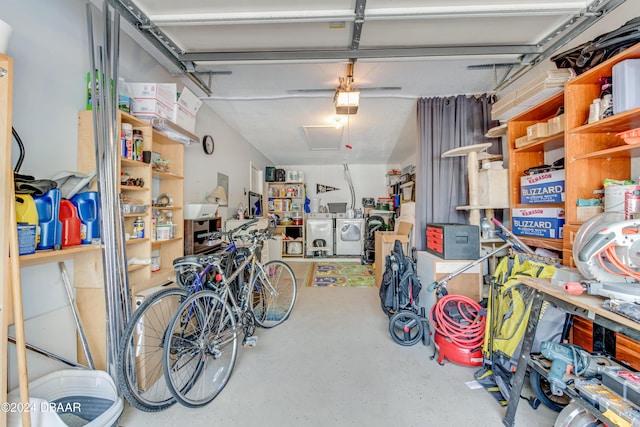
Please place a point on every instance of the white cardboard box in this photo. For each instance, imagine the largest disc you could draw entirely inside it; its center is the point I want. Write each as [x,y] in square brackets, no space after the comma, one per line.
[556,124]
[431,268]
[539,130]
[166,93]
[148,108]
[189,101]
[538,222]
[545,187]
[183,118]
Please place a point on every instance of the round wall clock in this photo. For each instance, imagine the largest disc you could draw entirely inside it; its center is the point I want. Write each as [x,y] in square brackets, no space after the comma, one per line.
[207,144]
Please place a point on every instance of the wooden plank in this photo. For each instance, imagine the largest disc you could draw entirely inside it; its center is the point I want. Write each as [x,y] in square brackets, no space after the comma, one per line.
[50,255]
[591,303]
[92,311]
[628,351]
[6,192]
[11,264]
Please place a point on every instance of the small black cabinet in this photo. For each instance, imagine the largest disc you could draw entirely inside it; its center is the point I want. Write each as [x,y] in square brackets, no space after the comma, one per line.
[197,235]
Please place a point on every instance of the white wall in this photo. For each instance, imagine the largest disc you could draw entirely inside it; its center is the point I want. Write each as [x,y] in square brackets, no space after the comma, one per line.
[368,181]
[232,157]
[50,51]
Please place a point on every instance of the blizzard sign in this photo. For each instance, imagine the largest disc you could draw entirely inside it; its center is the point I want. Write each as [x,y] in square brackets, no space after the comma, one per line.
[545,187]
[540,222]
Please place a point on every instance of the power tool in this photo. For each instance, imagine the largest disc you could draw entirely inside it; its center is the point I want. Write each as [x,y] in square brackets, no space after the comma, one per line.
[566,358]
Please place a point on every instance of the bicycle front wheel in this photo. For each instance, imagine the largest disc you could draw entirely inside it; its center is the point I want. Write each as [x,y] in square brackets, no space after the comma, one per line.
[274,294]
[201,350]
[139,364]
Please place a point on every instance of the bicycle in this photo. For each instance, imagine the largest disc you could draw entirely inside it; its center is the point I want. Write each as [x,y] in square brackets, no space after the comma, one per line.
[203,336]
[139,366]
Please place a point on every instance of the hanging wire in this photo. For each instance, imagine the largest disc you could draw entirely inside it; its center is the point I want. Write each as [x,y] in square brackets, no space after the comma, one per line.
[346,166]
[16,169]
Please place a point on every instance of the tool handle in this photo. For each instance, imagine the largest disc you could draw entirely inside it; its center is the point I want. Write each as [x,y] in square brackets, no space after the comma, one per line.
[521,245]
[574,288]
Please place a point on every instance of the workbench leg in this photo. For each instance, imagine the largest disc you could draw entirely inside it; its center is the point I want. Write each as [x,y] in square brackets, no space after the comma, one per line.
[523,361]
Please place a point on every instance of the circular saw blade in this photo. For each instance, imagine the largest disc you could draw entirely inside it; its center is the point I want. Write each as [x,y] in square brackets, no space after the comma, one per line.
[591,269]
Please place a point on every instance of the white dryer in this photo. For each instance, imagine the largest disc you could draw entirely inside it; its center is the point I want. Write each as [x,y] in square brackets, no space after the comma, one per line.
[319,235]
[349,235]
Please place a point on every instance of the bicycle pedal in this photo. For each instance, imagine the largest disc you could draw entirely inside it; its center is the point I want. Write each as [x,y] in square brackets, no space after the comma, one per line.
[249,342]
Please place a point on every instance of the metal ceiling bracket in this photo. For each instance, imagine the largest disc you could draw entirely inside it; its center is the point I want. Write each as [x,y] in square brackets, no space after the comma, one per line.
[357,25]
[563,35]
[390,52]
[190,66]
[163,43]
[378,14]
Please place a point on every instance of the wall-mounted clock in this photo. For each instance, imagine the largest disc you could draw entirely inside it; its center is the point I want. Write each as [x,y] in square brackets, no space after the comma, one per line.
[207,144]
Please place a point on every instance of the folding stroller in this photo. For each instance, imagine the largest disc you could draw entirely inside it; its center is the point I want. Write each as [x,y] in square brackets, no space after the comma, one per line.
[399,292]
[372,224]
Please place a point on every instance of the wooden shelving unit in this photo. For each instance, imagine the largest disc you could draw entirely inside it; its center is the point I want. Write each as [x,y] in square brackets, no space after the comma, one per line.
[593,152]
[50,255]
[531,155]
[89,281]
[286,199]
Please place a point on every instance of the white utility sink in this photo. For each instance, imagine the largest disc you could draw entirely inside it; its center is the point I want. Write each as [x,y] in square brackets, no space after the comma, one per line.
[195,211]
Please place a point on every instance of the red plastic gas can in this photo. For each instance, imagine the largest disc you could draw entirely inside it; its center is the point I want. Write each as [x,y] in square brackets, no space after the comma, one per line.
[70,223]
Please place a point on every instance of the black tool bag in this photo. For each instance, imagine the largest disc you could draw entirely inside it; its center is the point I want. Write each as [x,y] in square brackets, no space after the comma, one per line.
[587,55]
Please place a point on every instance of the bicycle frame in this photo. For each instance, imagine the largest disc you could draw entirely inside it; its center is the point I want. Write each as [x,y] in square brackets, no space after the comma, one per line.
[238,308]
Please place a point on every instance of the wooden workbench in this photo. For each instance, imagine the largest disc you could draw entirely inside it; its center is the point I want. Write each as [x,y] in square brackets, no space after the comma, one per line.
[587,306]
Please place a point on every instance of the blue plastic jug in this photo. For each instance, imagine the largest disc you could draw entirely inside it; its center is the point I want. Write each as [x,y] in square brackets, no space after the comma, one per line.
[88,206]
[48,206]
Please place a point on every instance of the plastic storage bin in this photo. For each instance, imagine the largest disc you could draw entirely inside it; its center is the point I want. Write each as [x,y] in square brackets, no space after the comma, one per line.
[626,86]
[70,397]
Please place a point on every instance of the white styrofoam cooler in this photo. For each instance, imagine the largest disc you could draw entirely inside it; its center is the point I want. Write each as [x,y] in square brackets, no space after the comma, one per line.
[87,394]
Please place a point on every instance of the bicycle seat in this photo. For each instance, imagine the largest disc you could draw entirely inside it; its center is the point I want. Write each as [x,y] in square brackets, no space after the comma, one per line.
[186,260]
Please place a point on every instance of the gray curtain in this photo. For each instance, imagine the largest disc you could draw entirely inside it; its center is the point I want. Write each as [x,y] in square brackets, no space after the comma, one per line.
[441,184]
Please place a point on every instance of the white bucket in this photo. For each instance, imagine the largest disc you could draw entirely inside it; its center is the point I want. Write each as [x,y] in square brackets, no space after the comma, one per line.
[5,35]
[314,205]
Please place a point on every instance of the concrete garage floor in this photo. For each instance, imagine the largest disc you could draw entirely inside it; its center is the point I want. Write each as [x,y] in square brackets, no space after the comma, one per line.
[333,363]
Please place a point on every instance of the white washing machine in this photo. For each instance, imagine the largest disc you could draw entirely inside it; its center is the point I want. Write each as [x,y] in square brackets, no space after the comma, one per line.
[319,234]
[349,235]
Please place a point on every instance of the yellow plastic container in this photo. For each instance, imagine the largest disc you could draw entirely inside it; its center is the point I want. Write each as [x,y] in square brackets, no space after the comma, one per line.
[26,209]
[27,212]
